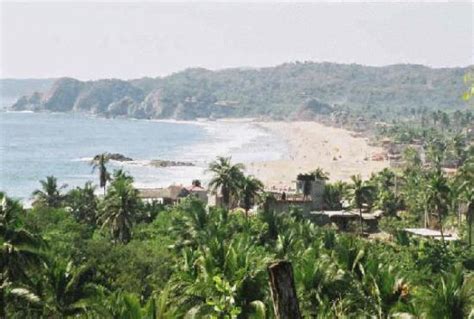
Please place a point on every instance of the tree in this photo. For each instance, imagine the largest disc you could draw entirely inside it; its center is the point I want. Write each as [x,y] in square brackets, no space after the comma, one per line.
[82,203]
[99,162]
[467,195]
[121,204]
[458,145]
[70,290]
[361,194]
[334,194]
[320,174]
[436,152]
[437,196]
[227,177]
[49,195]
[451,297]
[251,187]
[20,252]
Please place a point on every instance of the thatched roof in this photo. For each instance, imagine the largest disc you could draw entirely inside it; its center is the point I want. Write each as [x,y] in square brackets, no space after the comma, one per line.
[173,192]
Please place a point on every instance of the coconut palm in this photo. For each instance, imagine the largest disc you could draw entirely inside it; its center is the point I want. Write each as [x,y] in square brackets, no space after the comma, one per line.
[49,195]
[467,195]
[436,152]
[99,162]
[122,304]
[437,197]
[20,251]
[82,203]
[451,297]
[320,174]
[458,145]
[334,194]
[121,204]
[70,289]
[227,177]
[251,188]
[360,193]
[121,174]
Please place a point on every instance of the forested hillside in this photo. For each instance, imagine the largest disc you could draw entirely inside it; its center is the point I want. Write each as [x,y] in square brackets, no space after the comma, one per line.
[291,90]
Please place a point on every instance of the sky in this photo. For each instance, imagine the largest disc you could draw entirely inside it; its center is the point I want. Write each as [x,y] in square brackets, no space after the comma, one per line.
[130,40]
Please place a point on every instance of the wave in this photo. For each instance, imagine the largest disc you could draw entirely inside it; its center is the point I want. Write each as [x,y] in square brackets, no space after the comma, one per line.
[25,111]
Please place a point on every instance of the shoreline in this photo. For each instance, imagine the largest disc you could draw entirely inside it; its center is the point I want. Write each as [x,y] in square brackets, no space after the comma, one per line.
[273,151]
[311,145]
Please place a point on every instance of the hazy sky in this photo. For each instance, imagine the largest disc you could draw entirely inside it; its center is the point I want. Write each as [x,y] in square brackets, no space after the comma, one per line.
[125,40]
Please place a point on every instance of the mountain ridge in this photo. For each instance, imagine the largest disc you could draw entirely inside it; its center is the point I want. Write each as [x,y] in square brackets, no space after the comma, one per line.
[284,91]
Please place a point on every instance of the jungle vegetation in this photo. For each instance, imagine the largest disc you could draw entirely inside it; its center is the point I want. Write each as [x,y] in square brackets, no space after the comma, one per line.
[77,254]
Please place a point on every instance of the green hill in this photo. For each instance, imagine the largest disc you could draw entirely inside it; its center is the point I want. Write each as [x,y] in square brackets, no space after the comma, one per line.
[290,90]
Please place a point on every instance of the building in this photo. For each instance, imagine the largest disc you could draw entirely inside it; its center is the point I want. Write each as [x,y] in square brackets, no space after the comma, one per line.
[342,218]
[430,233]
[167,196]
[198,191]
[306,196]
[173,194]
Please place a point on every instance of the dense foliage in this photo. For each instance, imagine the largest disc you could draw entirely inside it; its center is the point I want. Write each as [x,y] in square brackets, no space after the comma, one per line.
[76,255]
[299,90]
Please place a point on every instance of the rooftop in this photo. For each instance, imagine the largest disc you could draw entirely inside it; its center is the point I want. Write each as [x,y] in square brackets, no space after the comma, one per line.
[426,232]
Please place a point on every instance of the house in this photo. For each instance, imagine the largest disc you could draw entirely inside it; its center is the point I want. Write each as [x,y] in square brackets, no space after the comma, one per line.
[341,218]
[173,194]
[198,191]
[168,195]
[306,196]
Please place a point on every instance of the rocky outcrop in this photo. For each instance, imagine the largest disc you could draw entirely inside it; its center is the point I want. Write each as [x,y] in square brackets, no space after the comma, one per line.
[28,103]
[166,163]
[97,96]
[62,96]
[115,157]
[104,97]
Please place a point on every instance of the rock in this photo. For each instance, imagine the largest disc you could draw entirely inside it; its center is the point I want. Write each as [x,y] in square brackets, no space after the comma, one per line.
[166,163]
[116,157]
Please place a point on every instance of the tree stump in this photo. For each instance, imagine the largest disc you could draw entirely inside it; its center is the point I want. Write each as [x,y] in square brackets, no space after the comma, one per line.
[285,300]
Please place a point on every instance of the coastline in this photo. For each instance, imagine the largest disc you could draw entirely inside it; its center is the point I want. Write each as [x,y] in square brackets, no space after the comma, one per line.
[311,145]
[273,151]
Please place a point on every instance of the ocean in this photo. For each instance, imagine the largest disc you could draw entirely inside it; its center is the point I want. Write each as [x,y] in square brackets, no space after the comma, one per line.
[36,145]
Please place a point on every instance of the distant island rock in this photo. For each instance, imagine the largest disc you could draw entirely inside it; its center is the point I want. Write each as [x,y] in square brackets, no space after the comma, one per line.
[288,91]
[167,163]
[115,157]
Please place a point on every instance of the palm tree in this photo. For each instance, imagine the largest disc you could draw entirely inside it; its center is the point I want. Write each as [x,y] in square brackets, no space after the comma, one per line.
[70,289]
[334,194]
[49,195]
[458,145]
[251,187]
[120,206]
[227,178]
[99,163]
[436,152]
[437,197]
[467,195]
[122,304]
[320,174]
[451,297]
[82,203]
[360,193]
[121,174]
[19,250]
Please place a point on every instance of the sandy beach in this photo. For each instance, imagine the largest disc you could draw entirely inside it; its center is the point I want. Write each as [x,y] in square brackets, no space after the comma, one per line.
[313,145]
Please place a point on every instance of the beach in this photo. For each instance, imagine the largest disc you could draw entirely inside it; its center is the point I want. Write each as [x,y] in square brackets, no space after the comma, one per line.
[312,145]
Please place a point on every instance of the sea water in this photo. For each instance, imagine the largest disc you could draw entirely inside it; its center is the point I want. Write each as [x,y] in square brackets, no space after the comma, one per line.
[36,145]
